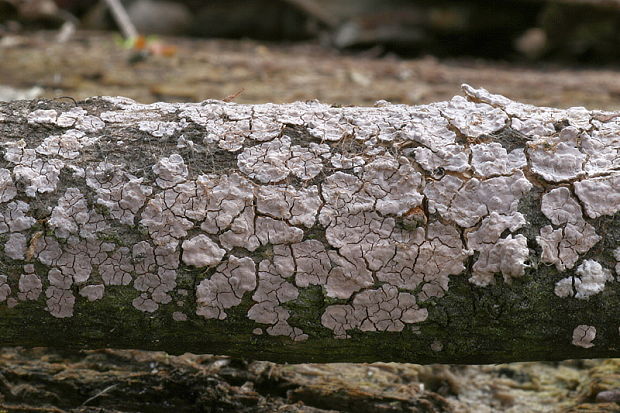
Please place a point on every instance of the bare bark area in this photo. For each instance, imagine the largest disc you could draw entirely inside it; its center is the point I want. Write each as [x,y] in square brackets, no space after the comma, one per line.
[468,231]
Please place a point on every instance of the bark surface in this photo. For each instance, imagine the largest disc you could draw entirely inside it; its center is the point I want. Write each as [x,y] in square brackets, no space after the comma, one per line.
[470,231]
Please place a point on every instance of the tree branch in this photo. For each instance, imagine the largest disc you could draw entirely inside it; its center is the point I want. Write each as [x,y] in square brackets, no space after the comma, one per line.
[470,231]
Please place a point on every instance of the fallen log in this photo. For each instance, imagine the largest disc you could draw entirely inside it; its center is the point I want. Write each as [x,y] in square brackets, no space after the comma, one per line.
[478,230]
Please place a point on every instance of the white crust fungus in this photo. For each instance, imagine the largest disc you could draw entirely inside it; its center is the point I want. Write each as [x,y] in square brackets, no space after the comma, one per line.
[491,159]
[201,251]
[15,246]
[161,129]
[449,158]
[170,170]
[179,316]
[557,159]
[5,288]
[600,196]
[226,287]
[40,175]
[66,146]
[473,119]
[591,280]
[30,285]
[267,161]
[602,147]
[156,275]
[228,197]
[272,291]
[299,207]
[312,264]
[8,190]
[93,292]
[383,309]
[122,193]
[563,246]
[465,202]
[163,225]
[72,216]
[13,218]
[583,335]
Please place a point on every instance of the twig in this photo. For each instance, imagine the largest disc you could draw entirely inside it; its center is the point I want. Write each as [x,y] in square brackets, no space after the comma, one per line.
[122,19]
[232,97]
[107,389]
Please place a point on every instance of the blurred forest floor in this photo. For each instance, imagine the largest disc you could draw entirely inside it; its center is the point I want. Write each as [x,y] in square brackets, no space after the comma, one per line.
[107,381]
[185,69]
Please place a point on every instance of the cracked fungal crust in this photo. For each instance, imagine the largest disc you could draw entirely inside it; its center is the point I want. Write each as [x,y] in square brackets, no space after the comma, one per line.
[258,206]
[583,335]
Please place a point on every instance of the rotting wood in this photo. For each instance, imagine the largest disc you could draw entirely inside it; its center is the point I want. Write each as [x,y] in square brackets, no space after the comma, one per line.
[470,231]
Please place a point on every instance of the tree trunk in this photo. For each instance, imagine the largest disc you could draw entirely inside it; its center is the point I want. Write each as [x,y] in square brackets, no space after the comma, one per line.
[477,230]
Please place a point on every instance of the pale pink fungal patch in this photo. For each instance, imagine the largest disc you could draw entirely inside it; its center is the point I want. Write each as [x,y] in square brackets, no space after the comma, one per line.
[93,292]
[600,196]
[72,216]
[450,158]
[170,171]
[228,197]
[467,202]
[507,256]
[43,116]
[66,146]
[163,225]
[201,251]
[241,232]
[266,162]
[312,264]
[563,246]
[557,159]
[491,159]
[307,163]
[287,203]
[272,291]
[30,285]
[384,309]
[179,316]
[161,129]
[271,231]
[226,287]
[583,335]
[122,193]
[40,176]
[13,218]
[590,280]
[560,207]
[59,282]
[5,289]
[144,303]
[395,185]
[473,119]
[15,247]
[156,270]
[8,190]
